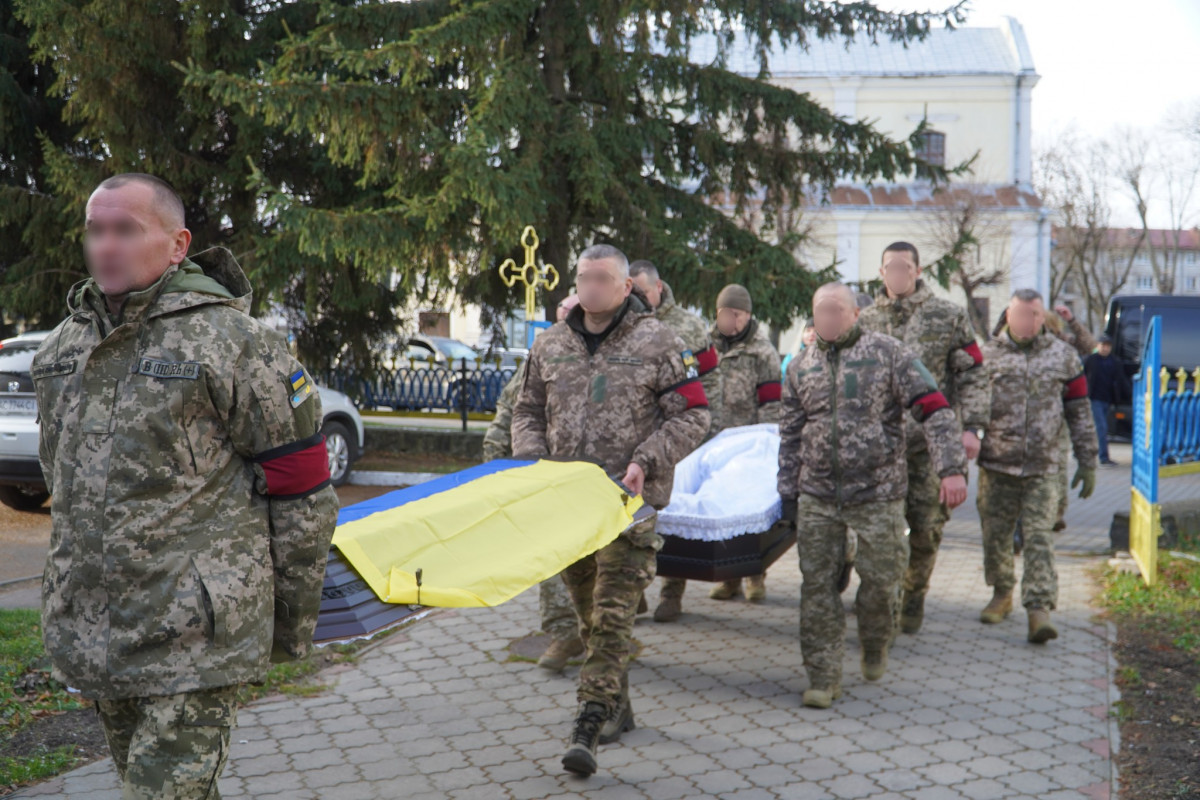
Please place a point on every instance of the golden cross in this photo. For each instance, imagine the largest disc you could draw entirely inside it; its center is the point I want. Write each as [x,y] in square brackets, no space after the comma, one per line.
[529,273]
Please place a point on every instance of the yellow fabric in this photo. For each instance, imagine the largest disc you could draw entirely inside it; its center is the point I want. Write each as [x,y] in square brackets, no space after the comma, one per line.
[487,541]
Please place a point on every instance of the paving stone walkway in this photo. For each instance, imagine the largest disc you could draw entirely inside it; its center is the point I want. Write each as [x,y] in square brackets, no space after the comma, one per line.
[966,710]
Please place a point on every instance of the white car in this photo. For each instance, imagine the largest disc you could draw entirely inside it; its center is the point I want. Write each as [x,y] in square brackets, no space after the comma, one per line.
[21,483]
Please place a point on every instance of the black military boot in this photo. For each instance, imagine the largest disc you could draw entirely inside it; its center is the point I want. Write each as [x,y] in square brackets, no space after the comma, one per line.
[580,757]
[621,722]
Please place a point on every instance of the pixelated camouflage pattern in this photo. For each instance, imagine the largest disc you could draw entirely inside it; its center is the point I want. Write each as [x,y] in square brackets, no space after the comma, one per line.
[1028,410]
[842,436]
[936,330]
[605,588]
[1074,333]
[170,569]
[744,366]
[880,561]
[694,333]
[618,406]
[1001,501]
[170,747]
[926,516]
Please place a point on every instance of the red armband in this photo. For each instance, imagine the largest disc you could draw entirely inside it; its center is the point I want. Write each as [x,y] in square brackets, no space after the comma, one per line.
[1076,388]
[706,360]
[930,403]
[974,352]
[770,392]
[296,470]
[692,391]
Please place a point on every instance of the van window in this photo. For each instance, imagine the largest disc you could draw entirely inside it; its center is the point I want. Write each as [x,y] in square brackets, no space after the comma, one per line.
[1180,334]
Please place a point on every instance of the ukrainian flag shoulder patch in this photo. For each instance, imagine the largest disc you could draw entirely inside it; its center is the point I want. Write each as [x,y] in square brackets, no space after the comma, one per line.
[301,388]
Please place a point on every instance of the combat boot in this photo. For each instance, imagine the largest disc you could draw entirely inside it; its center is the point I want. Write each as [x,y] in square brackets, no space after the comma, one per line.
[669,609]
[559,652]
[1041,630]
[670,601]
[997,610]
[821,696]
[756,588]
[912,612]
[580,757]
[621,722]
[726,590]
[874,663]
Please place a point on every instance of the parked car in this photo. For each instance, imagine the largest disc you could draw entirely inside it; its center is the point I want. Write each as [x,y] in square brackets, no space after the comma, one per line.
[22,485]
[1127,321]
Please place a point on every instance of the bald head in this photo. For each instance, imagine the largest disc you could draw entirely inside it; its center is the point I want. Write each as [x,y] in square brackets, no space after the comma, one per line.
[835,310]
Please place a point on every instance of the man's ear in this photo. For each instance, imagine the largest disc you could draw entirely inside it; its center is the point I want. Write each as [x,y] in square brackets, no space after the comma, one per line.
[180,244]
[857,311]
[628,286]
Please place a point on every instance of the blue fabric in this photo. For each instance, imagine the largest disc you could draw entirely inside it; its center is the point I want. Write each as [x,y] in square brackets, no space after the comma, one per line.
[402,496]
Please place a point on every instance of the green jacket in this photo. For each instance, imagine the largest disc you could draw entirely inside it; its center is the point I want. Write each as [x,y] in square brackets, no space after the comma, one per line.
[191,511]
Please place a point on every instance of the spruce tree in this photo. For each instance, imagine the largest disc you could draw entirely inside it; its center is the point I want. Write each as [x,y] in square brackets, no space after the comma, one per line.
[464,120]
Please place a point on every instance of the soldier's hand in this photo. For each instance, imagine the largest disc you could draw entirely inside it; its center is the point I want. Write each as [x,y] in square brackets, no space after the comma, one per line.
[1064,312]
[954,491]
[1087,477]
[971,445]
[635,478]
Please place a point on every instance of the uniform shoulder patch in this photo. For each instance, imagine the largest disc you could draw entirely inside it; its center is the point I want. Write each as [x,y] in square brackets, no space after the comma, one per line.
[301,388]
[691,366]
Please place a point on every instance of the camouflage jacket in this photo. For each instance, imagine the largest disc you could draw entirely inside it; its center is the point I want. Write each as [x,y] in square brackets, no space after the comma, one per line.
[842,434]
[636,398]
[1034,388]
[694,332]
[497,441]
[191,511]
[940,334]
[750,376]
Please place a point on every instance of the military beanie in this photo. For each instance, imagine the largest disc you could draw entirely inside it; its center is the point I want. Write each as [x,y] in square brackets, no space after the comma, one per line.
[735,296]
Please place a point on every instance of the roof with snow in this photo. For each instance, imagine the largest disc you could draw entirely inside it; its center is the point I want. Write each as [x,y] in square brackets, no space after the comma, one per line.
[962,51]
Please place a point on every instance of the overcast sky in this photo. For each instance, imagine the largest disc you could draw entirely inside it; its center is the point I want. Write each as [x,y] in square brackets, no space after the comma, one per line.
[1103,63]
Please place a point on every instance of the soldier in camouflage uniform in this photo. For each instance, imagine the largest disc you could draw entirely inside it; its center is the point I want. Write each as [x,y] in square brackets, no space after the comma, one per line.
[750,378]
[192,510]
[694,333]
[554,601]
[940,334]
[842,465]
[614,386]
[1037,383]
[1064,325]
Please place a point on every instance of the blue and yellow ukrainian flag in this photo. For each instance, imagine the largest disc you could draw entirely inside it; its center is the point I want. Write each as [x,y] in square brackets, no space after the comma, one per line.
[482,536]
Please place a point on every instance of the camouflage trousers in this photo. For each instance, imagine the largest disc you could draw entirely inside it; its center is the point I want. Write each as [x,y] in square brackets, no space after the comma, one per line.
[880,563]
[1034,499]
[606,587]
[172,747]
[926,517]
[557,610]
[1063,476]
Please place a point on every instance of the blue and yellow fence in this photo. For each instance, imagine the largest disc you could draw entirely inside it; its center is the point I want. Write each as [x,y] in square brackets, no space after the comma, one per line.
[1166,443]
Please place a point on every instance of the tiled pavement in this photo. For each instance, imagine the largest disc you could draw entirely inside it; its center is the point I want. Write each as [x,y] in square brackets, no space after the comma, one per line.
[966,711]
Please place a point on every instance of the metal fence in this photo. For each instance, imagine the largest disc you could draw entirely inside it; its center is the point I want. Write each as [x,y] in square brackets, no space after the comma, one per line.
[423,387]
